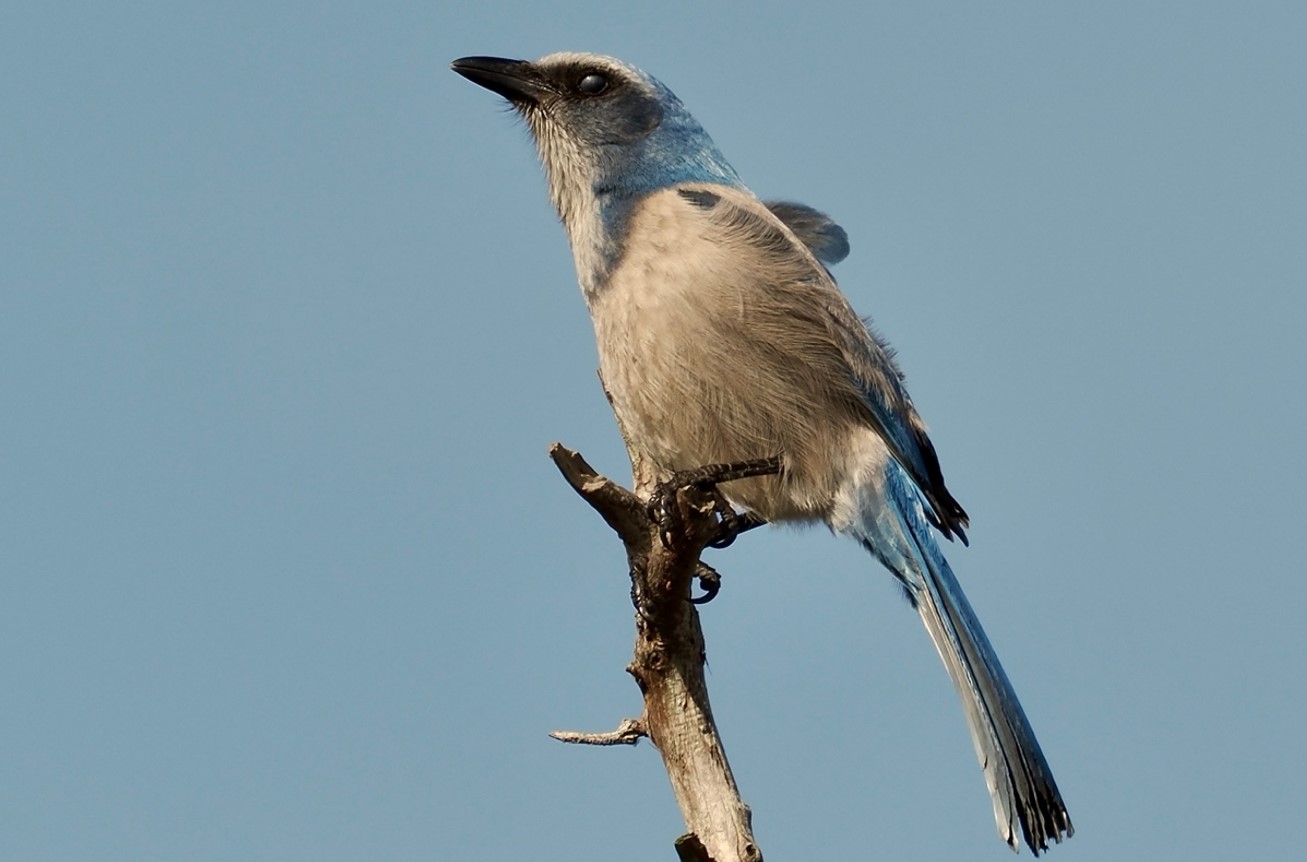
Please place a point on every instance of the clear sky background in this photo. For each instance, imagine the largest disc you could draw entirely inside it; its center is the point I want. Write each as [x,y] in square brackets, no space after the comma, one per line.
[287,324]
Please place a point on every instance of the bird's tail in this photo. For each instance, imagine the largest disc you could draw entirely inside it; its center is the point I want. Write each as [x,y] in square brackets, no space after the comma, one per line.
[895,529]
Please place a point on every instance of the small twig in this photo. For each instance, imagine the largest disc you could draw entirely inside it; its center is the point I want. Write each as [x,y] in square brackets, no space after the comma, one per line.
[628,732]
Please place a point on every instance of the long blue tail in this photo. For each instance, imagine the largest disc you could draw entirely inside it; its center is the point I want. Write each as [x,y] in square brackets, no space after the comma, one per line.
[891,523]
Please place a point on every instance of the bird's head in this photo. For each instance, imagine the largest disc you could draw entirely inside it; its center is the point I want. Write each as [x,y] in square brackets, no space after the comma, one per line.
[607,132]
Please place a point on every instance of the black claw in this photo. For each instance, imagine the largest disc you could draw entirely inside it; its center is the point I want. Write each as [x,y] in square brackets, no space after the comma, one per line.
[727,523]
[725,540]
[665,511]
[709,581]
[732,526]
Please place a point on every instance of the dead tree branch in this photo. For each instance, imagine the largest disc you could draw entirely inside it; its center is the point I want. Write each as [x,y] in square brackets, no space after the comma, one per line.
[669,656]
[629,732]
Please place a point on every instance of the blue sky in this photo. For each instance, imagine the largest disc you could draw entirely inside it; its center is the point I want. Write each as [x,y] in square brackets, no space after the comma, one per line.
[287,324]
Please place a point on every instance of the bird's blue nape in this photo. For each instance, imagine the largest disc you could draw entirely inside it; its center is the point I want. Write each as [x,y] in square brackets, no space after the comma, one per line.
[677,151]
[680,151]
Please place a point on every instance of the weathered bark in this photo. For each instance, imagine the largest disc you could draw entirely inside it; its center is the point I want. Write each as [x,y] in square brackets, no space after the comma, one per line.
[669,659]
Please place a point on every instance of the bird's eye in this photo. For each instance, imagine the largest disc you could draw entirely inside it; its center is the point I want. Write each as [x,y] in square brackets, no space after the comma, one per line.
[592,84]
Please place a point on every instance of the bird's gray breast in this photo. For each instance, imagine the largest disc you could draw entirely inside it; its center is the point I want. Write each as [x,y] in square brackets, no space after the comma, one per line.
[654,324]
[703,355]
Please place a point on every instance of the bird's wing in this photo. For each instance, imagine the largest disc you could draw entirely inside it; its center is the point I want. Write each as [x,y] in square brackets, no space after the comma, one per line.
[824,238]
[808,305]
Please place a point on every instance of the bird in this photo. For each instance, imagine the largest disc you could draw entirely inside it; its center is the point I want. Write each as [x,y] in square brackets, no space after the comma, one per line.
[722,336]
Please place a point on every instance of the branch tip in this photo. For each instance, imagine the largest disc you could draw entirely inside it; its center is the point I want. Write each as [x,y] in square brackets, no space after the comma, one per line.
[616,505]
[628,732]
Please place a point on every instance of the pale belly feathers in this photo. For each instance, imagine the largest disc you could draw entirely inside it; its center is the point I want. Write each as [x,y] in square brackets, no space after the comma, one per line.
[694,383]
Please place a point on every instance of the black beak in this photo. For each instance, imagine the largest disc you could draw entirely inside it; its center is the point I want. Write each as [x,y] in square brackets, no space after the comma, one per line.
[515,80]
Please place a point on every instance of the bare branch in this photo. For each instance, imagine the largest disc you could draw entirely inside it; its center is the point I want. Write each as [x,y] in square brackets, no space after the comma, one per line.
[620,508]
[669,650]
[629,732]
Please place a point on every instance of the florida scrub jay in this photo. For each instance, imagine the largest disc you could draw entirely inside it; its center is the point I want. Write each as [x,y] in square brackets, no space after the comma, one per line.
[723,337]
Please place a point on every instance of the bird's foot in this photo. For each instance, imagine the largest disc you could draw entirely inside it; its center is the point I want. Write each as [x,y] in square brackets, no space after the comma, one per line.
[665,511]
[730,525]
